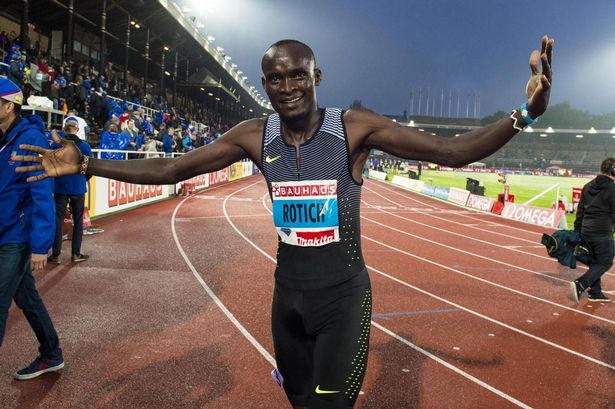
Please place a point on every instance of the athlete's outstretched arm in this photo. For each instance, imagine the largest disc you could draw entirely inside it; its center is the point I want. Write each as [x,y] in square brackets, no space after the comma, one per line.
[242,141]
[377,132]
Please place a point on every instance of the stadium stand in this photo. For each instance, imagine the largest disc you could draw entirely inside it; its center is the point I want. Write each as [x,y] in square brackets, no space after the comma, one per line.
[109,61]
[537,149]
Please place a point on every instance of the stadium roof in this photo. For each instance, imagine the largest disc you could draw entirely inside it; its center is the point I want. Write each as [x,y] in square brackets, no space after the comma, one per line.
[529,129]
[168,27]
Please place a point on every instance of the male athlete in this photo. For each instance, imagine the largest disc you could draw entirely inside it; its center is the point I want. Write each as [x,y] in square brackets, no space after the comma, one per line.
[312,159]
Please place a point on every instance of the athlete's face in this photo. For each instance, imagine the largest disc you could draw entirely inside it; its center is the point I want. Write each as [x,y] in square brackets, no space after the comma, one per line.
[289,79]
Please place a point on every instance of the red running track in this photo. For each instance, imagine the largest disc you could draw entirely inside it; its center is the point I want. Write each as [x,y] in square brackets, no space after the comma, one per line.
[172,311]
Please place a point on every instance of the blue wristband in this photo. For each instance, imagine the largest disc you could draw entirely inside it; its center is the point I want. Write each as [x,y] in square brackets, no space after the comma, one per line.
[526,116]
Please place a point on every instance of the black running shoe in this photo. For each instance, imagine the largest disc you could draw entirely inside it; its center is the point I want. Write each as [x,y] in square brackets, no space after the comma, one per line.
[599,298]
[38,367]
[78,258]
[576,290]
[53,260]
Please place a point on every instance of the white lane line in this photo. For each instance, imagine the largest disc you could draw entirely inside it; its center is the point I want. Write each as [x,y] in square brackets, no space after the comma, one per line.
[538,246]
[487,223]
[503,287]
[210,292]
[460,250]
[243,216]
[500,323]
[450,366]
[581,268]
[426,353]
[263,201]
[508,236]
[512,248]
[266,354]
[489,215]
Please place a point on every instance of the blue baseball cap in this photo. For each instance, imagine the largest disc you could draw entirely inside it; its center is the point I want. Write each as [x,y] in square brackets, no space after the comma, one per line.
[9,91]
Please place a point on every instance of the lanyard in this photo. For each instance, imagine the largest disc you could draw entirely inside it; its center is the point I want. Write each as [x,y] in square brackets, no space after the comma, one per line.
[8,143]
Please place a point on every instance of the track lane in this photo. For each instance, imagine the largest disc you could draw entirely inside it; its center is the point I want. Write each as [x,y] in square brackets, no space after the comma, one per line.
[398,375]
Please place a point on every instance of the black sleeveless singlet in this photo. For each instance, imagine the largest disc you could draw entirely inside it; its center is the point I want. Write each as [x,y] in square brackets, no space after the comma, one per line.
[316,206]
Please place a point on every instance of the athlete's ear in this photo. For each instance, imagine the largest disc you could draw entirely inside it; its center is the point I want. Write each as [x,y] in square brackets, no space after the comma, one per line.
[317,76]
[263,81]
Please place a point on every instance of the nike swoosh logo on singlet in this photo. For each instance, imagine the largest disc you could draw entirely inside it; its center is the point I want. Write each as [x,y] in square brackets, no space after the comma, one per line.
[269,159]
[322,391]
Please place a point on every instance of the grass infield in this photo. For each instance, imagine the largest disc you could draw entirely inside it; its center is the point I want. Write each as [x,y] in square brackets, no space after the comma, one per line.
[524,187]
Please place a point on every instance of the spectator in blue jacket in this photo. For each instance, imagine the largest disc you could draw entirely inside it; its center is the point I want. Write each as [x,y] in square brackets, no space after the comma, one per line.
[189,140]
[70,190]
[168,141]
[136,139]
[147,126]
[131,132]
[113,140]
[27,223]
[16,69]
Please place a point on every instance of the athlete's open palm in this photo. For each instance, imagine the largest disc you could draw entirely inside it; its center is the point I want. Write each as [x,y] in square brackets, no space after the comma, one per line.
[539,85]
[53,162]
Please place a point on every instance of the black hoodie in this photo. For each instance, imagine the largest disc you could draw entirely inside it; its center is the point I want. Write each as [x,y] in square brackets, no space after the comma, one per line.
[596,210]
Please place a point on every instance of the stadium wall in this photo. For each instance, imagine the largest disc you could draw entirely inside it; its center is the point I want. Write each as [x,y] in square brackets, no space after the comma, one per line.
[108,196]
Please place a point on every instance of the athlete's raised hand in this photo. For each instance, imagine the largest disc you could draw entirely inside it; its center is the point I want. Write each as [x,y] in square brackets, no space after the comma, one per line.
[539,85]
[53,162]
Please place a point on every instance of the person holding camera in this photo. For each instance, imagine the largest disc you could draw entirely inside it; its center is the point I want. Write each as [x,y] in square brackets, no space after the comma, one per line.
[595,221]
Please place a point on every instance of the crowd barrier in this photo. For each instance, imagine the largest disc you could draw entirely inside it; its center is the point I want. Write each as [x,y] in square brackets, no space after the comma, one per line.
[107,196]
[552,218]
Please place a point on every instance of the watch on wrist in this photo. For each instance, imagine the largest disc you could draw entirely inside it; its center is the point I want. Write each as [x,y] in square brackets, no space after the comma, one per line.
[83,167]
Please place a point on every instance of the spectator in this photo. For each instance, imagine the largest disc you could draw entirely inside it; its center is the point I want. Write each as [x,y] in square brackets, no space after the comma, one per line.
[105,109]
[595,221]
[147,126]
[26,231]
[124,117]
[76,96]
[95,103]
[113,120]
[113,140]
[135,139]
[168,141]
[150,147]
[83,126]
[189,141]
[16,70]
[70,190]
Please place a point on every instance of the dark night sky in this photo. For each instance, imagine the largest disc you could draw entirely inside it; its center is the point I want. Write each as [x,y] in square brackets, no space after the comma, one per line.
[379,51]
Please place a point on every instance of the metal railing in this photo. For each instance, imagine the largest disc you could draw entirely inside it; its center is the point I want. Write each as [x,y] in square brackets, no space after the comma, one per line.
[134,154]
[151,112]
[52,115]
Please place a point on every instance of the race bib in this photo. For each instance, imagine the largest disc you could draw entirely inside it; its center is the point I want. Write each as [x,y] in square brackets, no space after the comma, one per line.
[305,212]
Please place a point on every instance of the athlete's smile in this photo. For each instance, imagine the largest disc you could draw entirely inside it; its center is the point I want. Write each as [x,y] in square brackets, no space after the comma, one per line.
[291,101]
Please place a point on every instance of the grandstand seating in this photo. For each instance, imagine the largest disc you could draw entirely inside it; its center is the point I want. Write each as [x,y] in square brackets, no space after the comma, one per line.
[525,150]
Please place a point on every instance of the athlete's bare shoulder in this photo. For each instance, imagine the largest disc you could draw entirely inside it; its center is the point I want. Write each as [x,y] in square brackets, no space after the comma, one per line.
[247,129]
[360,123]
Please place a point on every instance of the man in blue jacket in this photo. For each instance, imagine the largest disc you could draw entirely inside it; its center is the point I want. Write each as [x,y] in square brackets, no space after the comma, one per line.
[27,224]
[70,190]
[112,140]
[168,141]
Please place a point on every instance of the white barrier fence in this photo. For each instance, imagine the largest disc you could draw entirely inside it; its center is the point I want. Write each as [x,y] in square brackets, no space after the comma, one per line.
[106,196]
[551,218]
